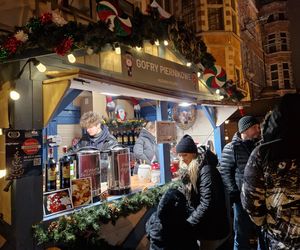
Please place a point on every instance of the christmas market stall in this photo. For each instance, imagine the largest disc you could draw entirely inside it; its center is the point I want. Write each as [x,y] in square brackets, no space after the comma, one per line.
[132,71]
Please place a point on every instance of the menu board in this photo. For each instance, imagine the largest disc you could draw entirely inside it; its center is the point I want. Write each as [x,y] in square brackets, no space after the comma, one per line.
[165,131]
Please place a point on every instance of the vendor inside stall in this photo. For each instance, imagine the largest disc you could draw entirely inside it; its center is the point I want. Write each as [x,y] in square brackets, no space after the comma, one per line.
[97,136]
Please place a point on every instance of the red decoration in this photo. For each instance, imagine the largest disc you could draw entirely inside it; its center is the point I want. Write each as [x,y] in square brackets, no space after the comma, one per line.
[46,18]
[155,166]
[215,77]
[110,12]
[64,47]
[12,44]
[241,110]
[134,101]
[110,106]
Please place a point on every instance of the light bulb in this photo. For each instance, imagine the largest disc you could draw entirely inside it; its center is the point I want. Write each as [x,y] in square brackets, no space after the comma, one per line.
[1,132]
[71,58]
[2,173]
[199,74]
[138,48]
[189,64]
[227,121]
[185,104]
[221,97]
[41,67]
[14,95]
[217,91]
[118,50]
[166,43]
[156,42]
[89,51]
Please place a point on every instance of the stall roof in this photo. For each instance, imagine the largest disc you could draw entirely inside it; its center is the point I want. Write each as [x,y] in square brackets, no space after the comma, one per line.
[104,83]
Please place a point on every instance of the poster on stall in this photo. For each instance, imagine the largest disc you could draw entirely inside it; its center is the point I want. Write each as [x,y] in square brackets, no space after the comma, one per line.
[23,152]
[57,201]
[81,190]
[165,131]
[124,173]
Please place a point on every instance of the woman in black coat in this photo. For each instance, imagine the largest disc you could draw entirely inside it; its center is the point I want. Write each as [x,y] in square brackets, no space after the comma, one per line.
[205,192]
[167,228]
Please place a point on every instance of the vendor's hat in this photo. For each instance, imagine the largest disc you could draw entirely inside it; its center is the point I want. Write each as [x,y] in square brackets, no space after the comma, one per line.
[246,122]
[186,145]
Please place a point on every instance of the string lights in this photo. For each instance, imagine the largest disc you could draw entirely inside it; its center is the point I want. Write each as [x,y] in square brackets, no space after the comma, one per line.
[14,94]
[40,67]
[117,49]
[71,58]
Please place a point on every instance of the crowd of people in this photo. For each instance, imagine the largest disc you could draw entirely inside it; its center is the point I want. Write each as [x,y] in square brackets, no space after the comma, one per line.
[252,194]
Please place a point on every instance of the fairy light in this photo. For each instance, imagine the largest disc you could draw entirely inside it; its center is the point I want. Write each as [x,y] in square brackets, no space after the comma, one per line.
[71,58]
[14,95]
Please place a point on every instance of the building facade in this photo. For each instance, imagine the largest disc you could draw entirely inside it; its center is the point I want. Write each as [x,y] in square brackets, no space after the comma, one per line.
[276,44]
[216,21]
[251,47]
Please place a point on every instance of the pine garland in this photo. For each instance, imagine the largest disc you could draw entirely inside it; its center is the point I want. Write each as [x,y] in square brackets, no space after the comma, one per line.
[82,229]
[52,33]
[115,123]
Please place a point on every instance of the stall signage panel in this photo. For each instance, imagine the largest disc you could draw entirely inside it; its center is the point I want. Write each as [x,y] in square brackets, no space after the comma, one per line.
[152,70]
[124,173]
[89,166]
[165,131]
[23,152]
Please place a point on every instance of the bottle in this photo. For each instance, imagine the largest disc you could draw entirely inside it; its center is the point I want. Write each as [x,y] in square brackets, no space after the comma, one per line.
[72,168]
[119,137]
[125,138]
[50,172]
[65,169]
[136,135]
[131,137]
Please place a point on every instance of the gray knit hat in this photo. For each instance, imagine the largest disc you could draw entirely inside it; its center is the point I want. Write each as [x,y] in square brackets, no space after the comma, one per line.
[246,122]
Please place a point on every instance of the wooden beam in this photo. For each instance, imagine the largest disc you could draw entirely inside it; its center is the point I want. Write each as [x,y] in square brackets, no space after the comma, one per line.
[53,93]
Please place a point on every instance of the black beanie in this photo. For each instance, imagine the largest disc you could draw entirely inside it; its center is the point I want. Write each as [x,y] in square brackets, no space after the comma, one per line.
[186,145]
[246,122]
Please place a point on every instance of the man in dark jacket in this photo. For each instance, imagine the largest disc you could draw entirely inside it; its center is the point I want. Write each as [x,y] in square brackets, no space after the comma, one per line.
[205,192]
[97,136]
[271,189]
[234,158]
[167,228]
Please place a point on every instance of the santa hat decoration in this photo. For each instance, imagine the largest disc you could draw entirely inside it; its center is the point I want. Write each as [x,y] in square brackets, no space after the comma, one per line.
[120,113]
[110,103]
[136,104]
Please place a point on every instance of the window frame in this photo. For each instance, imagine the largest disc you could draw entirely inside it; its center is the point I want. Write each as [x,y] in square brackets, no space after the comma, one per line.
[274,72]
